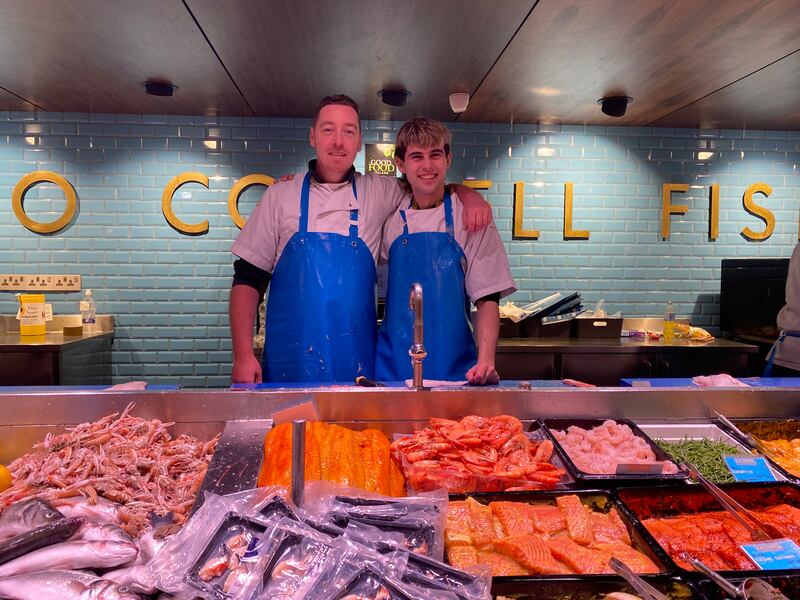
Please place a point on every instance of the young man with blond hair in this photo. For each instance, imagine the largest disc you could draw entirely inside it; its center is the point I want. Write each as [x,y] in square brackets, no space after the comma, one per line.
[424,242]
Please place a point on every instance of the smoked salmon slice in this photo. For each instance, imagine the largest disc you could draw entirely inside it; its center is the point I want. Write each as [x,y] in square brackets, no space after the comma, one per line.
[513,516]
[636,561]
[532,552]
[462,557]
[502,566]
[579,558]
[579,526]
[457,529]
[547,519]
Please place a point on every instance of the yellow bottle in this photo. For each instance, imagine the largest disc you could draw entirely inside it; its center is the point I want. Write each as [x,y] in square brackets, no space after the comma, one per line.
[31,314]
[669,323]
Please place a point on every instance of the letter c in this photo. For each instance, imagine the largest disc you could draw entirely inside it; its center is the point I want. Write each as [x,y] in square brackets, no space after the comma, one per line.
[30,180]
[166,203]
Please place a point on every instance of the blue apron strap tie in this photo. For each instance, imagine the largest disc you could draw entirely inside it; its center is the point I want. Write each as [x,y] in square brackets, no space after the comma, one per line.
[448,214]
[354,212]
[774,350]
[303,226]
[405,221]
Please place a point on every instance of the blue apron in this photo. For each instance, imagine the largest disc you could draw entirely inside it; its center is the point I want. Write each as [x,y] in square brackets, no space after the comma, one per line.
[774,350]
[436,261]
[321,322]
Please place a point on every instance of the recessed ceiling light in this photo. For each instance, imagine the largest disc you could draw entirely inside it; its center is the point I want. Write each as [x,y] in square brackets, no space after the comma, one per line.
[153,87]
[614,106]
[394,97]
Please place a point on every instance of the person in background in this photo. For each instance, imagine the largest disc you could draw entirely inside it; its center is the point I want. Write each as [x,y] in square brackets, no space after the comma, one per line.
[424,242]
[785,353]
[314,240]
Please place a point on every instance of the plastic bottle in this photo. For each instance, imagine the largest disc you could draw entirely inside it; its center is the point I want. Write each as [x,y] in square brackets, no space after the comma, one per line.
[669,322]
[88,313]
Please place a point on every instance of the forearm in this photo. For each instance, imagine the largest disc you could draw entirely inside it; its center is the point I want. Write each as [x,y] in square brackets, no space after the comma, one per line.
[488,326]
[242,311]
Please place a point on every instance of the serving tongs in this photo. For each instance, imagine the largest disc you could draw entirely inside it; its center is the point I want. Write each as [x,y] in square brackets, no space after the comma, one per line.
[750,439]
[758,531]
[647,591]
[751,588]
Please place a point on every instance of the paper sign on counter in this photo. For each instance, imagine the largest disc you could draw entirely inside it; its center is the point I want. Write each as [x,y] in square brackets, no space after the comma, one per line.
[774,554]
[749,468]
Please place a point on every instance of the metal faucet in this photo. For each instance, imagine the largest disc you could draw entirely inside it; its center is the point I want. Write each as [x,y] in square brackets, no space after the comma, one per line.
[417,351]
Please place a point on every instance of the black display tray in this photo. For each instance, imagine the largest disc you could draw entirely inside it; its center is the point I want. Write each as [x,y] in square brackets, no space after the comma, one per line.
[791,426]
[613,479]
[600,500]
[596,588]
[231,525]
[638,504]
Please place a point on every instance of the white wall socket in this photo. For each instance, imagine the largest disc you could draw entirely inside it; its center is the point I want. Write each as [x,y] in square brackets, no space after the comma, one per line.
[40,283]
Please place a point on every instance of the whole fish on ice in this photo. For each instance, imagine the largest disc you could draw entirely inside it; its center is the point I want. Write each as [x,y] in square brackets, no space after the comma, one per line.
[72,555]
[25,515]
[62,585]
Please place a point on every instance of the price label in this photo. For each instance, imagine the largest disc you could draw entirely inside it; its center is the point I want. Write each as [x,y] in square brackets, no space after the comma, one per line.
[773,555]
[749,468]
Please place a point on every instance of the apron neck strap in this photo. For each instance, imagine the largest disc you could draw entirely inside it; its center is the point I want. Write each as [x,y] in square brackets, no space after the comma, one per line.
[448,213]
[304,195]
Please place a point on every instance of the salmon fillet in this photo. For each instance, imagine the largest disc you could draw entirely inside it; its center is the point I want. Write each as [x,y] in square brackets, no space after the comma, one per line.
[457,530]
[502,566]
[579,526]
[462,557]
[513,516]
[481,523]
[637,561]
[546,518]
[579,558]
[531,552]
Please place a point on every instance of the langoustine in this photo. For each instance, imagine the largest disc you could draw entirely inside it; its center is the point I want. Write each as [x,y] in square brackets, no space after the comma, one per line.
[127,460]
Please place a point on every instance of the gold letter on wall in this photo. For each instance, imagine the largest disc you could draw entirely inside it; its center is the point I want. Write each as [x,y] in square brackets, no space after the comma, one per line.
[519,204]
[238,189]
[166,203]
[569,233]
[668,208]
[30,180]
[758,211]
[713,212]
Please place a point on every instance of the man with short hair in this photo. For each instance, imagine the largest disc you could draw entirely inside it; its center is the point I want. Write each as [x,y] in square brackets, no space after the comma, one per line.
[424,243]
[314,240]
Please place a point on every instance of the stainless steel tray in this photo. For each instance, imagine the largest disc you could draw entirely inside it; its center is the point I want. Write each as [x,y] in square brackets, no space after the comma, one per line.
[675,432]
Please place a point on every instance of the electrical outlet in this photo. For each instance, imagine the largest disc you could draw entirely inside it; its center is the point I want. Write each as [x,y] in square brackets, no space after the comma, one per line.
[40,283]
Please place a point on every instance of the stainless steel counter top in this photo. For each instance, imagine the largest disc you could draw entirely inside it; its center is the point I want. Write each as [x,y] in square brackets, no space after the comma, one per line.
[54,339]
[617,345]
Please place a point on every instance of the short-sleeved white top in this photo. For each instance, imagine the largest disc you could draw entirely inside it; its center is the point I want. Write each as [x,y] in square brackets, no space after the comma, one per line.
[788,353]
[487,269]
[276,218]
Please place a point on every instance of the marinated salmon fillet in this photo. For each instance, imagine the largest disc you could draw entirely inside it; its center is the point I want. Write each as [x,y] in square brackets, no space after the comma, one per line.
[636,561]
[502,566]
[784,517]
[579,558]
[481,523]
[457,529]
[579,525]
[462,557]
[546,518]
[513,516]
[531,552]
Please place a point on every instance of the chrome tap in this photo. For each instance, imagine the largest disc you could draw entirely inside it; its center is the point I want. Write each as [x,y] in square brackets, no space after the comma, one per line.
[417,351]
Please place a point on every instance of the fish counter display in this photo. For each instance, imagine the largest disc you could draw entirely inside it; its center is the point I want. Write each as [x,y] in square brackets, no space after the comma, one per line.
[407,495]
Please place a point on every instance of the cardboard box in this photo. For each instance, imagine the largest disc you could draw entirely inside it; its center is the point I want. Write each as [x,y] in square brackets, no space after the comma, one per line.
[596,327]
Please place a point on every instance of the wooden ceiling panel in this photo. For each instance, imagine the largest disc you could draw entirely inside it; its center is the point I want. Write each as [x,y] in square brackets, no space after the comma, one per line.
[287,54]
[92,55]
[663,53]
[9,101]
[768,99]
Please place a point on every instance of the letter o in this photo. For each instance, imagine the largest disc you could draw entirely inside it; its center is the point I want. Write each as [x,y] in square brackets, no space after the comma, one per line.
[166,203]
[30,180]
[238,189]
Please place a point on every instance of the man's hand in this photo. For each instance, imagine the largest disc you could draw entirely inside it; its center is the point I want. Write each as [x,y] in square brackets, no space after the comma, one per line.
[483,374]
[476,213]
[247,370]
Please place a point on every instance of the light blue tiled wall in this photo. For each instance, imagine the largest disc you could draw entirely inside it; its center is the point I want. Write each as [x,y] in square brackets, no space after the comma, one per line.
[169,291]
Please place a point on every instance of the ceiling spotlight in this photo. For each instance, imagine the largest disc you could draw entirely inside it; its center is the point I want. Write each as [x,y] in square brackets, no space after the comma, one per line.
[159,88]
[614,106]
[394,97]
[459,101]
